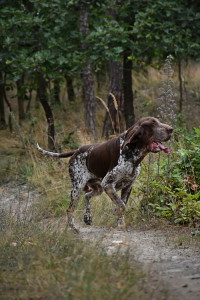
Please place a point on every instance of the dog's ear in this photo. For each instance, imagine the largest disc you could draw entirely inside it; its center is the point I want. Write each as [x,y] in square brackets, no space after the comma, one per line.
[133,135]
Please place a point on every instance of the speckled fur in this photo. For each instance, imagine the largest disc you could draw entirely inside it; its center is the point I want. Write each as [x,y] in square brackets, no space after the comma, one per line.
[120,177]
[111,166]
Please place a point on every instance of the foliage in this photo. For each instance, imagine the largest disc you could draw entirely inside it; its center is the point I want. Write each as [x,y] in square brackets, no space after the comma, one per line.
[176,205]
[176,195]
[189,161]
[45,34]
[167,27]
[34,37]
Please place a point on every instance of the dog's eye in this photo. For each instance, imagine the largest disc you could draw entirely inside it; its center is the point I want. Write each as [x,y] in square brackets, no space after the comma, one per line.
[154,122]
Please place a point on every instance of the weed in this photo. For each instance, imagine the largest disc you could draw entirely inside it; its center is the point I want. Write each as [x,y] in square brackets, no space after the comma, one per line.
[26,172]
[70,142]
[176,196]
[167,105]
[42,264]
[108,111]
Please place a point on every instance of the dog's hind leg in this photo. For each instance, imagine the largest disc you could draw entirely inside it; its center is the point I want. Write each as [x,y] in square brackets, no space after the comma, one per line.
[75,195]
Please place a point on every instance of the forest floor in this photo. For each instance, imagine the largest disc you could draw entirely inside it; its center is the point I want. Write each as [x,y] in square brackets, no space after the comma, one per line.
[164,254]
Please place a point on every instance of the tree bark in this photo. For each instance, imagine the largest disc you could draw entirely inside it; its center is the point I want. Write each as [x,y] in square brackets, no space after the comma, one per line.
[57,92]
[70,88]
[42,94]
[20,98]
[2,109]
[127,89]
[116,75]
[10,111]
[116,89]
[10,116]
[87,75]
[28,107]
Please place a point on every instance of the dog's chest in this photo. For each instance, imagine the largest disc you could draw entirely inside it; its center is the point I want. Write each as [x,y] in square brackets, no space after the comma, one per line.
[125,172]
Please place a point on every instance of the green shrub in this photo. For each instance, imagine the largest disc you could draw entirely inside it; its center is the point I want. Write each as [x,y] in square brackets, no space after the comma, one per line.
[174,191]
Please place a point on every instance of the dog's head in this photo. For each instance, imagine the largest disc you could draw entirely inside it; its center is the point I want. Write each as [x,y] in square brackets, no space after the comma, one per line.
[148,133]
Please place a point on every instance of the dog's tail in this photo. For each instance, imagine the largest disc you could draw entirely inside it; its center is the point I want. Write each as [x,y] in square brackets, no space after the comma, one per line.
[54,154]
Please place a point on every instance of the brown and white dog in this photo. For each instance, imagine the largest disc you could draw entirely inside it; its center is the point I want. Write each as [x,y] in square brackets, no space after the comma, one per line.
[112,165]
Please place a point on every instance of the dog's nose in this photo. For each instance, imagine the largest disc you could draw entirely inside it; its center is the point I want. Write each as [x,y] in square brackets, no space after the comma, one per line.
[170,129]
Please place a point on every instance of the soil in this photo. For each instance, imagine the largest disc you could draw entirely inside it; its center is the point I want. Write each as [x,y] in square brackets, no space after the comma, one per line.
[177,266]
[173,265]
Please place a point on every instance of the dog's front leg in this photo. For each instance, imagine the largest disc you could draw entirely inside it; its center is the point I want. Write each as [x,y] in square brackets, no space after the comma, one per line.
[109,187]
[125,193]
[111,192]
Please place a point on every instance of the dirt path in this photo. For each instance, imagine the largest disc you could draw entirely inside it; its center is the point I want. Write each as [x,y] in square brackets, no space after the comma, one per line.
[177,267]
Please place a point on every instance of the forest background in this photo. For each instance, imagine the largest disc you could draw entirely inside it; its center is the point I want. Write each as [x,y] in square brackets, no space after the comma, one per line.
[73,72]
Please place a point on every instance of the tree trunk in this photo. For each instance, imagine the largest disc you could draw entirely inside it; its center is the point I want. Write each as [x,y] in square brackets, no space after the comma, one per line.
[10,111]
[116,75]
[116,89]
[42,94]
[87,75]
[70,88]
[57,92]
[28,107]
[2,109]
[127,89]
[20,98]
[10,116]
[180,86]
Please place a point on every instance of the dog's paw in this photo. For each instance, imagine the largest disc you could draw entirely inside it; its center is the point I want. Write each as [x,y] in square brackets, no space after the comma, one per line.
[121,225]
[88,219]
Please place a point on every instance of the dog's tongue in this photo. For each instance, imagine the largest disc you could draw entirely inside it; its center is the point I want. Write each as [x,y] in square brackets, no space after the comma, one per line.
[163,148]
[157,146]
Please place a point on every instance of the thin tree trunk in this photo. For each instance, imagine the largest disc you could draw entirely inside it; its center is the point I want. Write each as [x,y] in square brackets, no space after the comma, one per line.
[9,106]
[116,89]
[10,111]
[116,75]
[89,99]
[127,89]
[42,94]
[70,88]
[87,75]
[180,86]
[57,92]
[28,107]
[20,98]
[2,109]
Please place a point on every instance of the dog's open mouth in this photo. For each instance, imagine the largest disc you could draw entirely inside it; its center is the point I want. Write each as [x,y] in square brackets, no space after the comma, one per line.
[157,146]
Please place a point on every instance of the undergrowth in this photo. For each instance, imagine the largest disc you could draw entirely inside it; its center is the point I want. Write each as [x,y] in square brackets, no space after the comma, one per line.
[174,188]
[38,263]
[171,185]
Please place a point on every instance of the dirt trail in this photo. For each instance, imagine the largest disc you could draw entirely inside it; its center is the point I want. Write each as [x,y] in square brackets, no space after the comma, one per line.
[177,267]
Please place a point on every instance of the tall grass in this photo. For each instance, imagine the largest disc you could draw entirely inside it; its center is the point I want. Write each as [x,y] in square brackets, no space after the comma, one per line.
[47,262]
[108,111]
[40,263]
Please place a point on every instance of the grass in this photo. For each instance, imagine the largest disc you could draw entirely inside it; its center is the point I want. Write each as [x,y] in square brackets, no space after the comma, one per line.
[41,264]
[37,262]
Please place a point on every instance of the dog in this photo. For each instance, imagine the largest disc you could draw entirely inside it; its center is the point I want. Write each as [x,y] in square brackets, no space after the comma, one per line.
[112,166]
